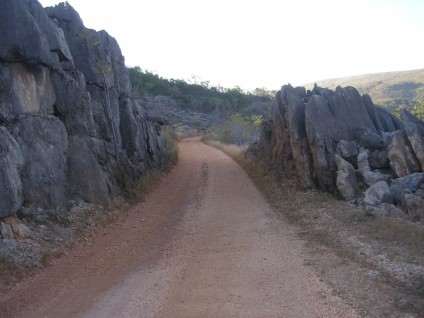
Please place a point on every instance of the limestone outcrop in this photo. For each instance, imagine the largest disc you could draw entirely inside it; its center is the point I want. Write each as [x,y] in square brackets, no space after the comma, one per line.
[339,142]
[69,129]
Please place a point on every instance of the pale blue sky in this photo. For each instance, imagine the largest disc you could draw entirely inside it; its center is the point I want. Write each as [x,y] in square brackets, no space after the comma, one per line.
[263,43]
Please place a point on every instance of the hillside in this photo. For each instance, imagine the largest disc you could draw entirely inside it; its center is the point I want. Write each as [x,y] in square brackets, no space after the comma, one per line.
[193,108]
[391,89]
[201,96]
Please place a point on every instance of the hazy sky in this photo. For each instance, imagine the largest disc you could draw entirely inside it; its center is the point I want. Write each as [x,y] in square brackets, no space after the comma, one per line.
[262,43]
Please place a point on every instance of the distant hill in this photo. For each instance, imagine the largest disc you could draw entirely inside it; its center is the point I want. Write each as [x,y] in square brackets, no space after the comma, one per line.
[201,97]
[391,89]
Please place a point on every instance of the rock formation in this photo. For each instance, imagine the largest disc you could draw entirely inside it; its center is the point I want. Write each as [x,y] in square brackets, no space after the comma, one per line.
[339,142]
[69,129]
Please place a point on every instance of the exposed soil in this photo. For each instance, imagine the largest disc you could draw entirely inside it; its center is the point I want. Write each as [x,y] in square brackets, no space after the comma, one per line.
[204,243]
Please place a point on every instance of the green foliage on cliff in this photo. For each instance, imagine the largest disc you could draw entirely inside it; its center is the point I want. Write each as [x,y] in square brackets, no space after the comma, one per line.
[418,110]
[201,96]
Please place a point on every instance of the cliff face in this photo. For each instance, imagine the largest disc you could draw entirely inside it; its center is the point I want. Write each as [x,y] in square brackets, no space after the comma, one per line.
[339,142]
[68,126]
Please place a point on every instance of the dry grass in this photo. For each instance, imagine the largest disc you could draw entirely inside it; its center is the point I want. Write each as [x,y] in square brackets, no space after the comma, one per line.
[10,272]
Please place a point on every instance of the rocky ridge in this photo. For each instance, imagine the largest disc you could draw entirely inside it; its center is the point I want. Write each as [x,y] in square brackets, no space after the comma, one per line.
[165,110]
[69,129]
[340,142]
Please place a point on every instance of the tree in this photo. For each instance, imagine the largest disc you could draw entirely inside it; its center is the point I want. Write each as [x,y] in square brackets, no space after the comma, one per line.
[240,130]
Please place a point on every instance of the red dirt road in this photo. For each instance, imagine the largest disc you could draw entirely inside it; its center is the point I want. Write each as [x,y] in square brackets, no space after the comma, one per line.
[205,243]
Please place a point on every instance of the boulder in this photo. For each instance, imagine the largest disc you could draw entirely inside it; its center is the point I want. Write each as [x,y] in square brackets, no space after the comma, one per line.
[414,206]
[369,138]
[363,163]
[378,193]
[6,231]
[379,159]
[414,128]
[346,180]
[372,177]
[410,184]
[19,230]
[401,155]
[347,149]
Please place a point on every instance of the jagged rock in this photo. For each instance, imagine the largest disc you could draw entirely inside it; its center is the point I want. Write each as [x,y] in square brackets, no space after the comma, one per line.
[22,39]
[402,158]
[96,54]
[415,131]
[347,149]
[346,179]
[287,122]
[378,193]
[382,120]
[86,180]
[329,118]
[63,89]
[11,161]
[320,137]
[306,127]
[414,206]
[369,138]
[363,163]
[44,144]
[20,230]
[372,177]
[6,231]
[379,159]
[294,112]
[409,183]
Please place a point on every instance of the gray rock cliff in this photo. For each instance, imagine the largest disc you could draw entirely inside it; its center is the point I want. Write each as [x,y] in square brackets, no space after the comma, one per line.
[69,129]
[339,142]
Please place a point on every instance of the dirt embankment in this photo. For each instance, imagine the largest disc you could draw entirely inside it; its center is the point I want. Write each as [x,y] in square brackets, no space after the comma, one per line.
[203,244]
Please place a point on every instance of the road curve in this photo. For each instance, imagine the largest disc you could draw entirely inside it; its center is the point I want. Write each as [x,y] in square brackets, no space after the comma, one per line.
[204,243]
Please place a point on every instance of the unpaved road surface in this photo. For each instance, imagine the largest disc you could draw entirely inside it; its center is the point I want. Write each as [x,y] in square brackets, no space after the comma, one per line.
[204,243]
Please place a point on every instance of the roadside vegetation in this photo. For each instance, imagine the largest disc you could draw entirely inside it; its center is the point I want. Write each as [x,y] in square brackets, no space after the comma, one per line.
[238,130]
[372,262]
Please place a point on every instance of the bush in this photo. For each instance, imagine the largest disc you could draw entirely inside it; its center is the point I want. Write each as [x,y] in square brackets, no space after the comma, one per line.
[418,110]
[238,130]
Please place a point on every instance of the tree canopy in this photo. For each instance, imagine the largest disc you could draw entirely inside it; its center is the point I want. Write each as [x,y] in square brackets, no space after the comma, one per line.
[200,95]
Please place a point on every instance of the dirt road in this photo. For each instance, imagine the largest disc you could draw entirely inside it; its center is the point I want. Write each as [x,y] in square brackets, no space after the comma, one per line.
[203,244]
